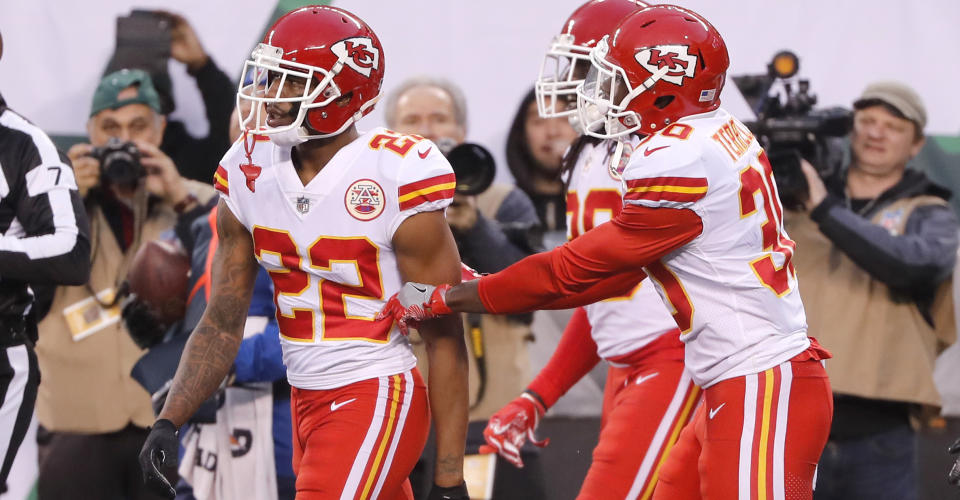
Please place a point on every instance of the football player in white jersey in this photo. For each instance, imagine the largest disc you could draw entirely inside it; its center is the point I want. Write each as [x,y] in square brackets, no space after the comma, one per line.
[340,219]
[648,397]
[702,217]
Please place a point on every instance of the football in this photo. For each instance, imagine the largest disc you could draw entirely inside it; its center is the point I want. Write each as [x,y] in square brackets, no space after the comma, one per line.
[159,276]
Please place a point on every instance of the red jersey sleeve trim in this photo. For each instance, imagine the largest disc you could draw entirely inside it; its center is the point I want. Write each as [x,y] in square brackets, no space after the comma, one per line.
[220,180]
[677,189]
[436,188]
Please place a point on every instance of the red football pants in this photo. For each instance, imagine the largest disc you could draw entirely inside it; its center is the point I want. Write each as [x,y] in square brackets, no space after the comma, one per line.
[644,409]
[360,441]
[754,437]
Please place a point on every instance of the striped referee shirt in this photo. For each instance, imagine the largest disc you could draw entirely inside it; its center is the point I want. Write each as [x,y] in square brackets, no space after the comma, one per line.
[44,232]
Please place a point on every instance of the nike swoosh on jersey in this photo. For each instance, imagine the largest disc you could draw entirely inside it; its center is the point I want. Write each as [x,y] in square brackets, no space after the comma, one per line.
[423,155]
[641,379]
[421,290]
[334,405]
[715,410]
[650,151]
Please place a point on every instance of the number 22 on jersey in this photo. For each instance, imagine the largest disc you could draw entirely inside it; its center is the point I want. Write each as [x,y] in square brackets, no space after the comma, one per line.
[278,249]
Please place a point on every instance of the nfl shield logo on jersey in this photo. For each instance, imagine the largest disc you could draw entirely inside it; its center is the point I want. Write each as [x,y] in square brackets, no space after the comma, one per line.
[364,199]
[303,204]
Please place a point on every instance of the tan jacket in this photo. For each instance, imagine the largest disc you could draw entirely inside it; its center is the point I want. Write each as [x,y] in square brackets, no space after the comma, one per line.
[882,347]
[85,382]
[504,341]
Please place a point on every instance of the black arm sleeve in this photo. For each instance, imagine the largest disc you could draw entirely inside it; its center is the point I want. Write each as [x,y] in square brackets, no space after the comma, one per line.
[53,246]
[218,94]
[923,256]
[197,158]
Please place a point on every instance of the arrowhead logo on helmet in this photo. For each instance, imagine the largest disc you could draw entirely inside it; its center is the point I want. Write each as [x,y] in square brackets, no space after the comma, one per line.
[674,58]
[359,54]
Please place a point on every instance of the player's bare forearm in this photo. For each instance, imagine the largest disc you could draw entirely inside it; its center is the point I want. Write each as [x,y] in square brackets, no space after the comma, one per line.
[212,346]
[449,395]
[427,253]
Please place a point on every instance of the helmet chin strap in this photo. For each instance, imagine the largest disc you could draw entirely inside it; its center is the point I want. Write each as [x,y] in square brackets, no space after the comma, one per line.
[615,157]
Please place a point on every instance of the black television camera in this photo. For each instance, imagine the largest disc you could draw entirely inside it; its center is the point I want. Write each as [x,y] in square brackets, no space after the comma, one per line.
[789,128]
[472,163]
[119,163]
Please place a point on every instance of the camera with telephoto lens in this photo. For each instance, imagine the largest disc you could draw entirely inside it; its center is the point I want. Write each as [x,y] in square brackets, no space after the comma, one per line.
[472,163]
[790,129]
[119,163]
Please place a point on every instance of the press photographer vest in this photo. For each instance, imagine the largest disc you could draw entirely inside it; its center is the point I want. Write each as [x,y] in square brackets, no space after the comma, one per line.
[882,346]
[86,386]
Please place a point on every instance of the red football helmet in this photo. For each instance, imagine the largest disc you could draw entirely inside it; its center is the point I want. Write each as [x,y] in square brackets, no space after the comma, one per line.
[659,65]
[328,52]
[560,73]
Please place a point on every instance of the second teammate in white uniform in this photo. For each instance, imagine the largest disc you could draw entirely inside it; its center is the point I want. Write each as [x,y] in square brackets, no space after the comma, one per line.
[648,396]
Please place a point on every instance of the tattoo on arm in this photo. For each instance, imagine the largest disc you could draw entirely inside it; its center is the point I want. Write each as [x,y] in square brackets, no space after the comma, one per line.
[213,345]
[450,464]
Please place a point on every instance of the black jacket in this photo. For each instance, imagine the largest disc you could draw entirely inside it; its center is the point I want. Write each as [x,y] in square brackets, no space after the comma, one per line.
[197,158]
[911,263]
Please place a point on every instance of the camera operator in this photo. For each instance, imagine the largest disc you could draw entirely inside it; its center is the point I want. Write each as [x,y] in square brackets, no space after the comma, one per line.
[874,252]
[493,229]
[93,414]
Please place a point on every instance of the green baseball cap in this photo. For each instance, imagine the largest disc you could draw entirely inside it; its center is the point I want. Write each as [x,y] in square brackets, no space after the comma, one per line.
[110,95]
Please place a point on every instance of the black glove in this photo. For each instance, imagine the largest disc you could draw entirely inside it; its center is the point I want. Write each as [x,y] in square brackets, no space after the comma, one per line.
[451,493]
[954,475]
[159,454]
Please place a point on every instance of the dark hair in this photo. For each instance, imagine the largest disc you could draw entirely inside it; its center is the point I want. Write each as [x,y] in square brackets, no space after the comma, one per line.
[519,158]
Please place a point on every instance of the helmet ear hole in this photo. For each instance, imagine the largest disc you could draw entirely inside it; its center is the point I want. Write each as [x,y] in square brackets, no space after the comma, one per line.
[663,101]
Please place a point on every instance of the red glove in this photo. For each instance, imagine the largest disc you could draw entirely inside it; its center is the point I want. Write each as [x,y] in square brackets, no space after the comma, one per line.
[510,427]
[415,302]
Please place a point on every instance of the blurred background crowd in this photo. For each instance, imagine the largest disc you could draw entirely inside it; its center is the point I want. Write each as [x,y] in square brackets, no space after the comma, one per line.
[142,102]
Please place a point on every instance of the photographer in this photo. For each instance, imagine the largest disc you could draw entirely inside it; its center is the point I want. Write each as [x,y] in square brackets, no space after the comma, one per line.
[493,229]
[874,252]
[93,414]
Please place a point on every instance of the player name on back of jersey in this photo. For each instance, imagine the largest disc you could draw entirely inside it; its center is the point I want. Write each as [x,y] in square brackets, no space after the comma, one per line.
[734,137]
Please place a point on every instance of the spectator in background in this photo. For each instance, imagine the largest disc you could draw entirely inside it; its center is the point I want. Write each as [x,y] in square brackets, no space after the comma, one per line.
[878,244]
[436,109]
[44,240]
[195,157]
[535,148]
[93,414]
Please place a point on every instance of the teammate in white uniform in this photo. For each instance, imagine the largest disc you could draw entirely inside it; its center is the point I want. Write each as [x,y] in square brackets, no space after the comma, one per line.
[702,217]
[339,219]
[648,396]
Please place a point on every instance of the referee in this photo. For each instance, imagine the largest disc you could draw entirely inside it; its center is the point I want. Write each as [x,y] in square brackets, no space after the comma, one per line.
[43,241]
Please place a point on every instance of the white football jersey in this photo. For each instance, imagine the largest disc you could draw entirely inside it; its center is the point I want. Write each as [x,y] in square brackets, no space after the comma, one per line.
[621,325]
[328,246]
[733,289]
